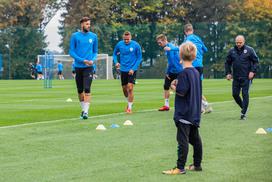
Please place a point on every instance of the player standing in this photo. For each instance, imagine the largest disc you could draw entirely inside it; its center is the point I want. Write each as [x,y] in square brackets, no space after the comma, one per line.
[84,49]
[60,70]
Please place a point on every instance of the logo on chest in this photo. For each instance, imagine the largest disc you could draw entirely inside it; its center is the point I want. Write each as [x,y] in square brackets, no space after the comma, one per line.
[90,41]
[245,51]
[131,49]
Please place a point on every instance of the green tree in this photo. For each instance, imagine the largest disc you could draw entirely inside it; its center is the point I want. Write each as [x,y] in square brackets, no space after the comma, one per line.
[21,23]
[252,18]
[100,14]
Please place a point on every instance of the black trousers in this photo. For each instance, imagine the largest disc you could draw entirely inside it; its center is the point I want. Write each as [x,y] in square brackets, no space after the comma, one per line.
[237,85]
[186,134]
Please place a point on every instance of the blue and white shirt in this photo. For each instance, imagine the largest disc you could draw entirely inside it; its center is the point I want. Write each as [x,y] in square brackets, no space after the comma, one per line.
[130,55]
[83,46]
[39,67]
[201,49]
[174,65]
[60,67]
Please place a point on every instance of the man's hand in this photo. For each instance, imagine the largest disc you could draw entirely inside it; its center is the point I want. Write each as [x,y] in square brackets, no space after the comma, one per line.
[117,65]
[88,63]
[166,48]
[174,84]
[131,72]
[251,75]
[228,77]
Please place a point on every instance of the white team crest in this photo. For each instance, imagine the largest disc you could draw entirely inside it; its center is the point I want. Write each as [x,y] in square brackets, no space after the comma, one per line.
[90,40]
[245,51]
[131,49]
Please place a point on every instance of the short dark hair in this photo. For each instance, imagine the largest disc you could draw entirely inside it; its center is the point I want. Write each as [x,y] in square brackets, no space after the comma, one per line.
[126,33]
[84,19]
[188,27]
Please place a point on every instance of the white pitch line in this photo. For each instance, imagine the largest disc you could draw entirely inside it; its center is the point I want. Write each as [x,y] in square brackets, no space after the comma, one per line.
[106,115]
[70,119]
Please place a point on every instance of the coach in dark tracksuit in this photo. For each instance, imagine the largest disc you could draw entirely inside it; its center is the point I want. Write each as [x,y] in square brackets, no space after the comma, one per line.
[241,65]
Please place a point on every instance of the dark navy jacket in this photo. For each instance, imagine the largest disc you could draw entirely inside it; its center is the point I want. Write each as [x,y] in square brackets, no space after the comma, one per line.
[241,62]
[188,97]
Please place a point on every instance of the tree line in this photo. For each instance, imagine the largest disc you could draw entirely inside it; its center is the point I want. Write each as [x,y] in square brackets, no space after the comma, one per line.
[216,21]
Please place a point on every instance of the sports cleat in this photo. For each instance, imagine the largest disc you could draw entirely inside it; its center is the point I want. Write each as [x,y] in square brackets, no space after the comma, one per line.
[164,108]
[85,115]
[243,117]
[193,168]
[174,171]
[129,111]
[81,115]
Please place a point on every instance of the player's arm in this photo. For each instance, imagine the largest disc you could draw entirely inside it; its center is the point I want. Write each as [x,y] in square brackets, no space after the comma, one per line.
[182,85]
[95,50]
[254,64]
[228,65]
[204,48]
[173,85]
[72,50]
[116,51]
[171,48]
[139,57]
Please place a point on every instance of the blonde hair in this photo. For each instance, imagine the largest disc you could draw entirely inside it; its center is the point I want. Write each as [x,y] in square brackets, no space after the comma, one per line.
[187,51]
[161,37]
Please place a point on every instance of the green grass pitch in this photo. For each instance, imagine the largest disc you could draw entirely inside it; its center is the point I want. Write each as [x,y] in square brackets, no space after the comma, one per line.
[42,138]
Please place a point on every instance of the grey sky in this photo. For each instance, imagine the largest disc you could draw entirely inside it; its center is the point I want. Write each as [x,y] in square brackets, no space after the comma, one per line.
[51,30]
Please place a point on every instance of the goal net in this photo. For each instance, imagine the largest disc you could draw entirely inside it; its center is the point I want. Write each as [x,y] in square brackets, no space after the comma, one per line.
[103,66]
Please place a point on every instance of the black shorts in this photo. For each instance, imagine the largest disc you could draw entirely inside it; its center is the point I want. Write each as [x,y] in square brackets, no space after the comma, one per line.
[84,78]
[200,71]
[168,80]
[39,72]
[59,72]
[126,78]
[73,72]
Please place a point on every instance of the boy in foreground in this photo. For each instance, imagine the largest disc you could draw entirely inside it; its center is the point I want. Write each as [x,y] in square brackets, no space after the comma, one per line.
[187,111]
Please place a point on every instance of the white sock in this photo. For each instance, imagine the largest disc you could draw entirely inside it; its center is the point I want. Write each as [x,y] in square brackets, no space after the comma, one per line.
[166,102]
[130,105]
[86,107]
[82,105]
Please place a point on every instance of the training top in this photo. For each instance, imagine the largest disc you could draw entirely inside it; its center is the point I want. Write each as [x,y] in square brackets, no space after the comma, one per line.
[83,46]
[242,61]
[130,55]
[201,49]
[73,66]
[39,68]
[174,65]
[60,67]
[188,97]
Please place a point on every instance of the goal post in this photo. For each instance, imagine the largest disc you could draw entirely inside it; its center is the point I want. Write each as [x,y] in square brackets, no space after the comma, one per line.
[103,66]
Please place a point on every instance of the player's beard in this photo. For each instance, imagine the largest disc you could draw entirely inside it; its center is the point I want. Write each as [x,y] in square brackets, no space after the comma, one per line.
[85,30]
